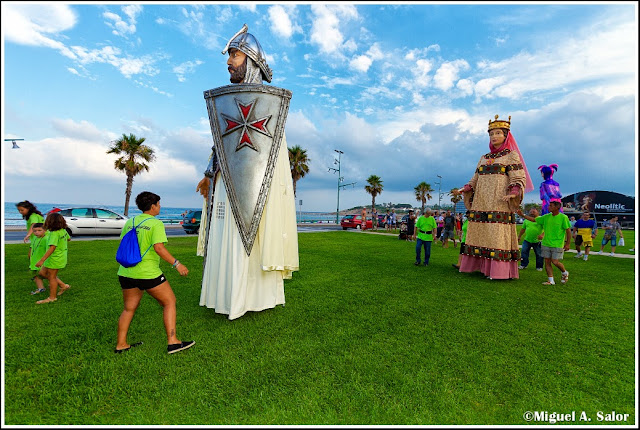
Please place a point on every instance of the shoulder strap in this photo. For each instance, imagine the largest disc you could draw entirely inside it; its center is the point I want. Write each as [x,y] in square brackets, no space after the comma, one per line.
[136,226]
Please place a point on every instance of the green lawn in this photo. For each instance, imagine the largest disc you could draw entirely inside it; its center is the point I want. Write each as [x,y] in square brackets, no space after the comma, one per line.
[365,338]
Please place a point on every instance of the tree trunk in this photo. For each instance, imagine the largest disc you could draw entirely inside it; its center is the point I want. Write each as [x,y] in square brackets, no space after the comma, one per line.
[374,217]
[294,189]
[127,194]
[423,201]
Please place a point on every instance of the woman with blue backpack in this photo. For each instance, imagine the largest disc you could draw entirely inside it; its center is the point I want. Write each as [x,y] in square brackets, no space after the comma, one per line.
[141,248]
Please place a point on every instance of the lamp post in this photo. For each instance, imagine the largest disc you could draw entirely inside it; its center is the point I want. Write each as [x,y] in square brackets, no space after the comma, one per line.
[439,189]
[340,179]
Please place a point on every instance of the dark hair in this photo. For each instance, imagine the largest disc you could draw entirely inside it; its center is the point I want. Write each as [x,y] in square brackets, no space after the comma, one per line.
[30,207]
[54,222]
[145,199]
[37,225]
[555,203]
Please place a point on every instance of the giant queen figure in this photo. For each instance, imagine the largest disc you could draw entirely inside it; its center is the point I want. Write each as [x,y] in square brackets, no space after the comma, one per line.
[248,234]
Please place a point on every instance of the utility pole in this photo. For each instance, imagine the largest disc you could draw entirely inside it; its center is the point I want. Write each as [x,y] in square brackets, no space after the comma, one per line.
[340,179]
[439,191]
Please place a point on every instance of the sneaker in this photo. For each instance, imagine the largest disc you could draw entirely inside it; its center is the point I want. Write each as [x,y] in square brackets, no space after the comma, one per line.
[521,267]
[586,257]
[599,252]
[611,254]
[578,255]
[539,270]
[417,263]
[565,278]
[38,291]
[180,346]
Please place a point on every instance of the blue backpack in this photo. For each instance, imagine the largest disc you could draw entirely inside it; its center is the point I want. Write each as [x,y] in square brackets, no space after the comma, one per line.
[128,254]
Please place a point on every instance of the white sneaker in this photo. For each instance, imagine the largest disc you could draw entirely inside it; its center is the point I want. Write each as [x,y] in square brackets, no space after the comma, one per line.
[539,270]
[521,267]
[586,257]
[611,254]
[578,255]
[599,252]
[565,278]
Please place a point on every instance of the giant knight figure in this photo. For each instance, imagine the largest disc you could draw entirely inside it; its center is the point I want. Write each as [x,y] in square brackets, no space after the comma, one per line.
[248,233]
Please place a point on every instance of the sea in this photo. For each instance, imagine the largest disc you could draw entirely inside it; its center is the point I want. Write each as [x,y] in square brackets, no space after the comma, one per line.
[167,215]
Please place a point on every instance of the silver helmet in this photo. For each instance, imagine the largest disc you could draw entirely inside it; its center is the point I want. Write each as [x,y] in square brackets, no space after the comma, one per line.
[247,43]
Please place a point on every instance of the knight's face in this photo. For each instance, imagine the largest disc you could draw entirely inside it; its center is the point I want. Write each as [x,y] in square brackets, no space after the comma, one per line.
[237,63]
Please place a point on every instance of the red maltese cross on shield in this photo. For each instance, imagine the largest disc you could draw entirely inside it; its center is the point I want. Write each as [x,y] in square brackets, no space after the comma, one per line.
[245,123]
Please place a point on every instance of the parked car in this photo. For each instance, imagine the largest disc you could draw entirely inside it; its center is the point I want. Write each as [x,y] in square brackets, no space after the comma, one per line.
[355,221]
[191,222]
[92,221]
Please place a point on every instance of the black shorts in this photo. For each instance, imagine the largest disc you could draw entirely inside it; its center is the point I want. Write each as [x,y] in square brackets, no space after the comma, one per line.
[141,284]
[462,248]
[578,240]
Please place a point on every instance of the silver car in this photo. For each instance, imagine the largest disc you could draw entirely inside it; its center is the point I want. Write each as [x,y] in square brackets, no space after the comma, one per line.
[92,221]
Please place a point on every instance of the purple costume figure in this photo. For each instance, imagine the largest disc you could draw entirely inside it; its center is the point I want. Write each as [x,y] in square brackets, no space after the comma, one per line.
[549,189]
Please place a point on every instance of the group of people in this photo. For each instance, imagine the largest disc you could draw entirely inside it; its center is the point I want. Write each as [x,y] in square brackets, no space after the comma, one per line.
[47,249]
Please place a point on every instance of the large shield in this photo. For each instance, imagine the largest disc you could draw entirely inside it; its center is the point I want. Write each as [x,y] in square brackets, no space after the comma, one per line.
[247,123]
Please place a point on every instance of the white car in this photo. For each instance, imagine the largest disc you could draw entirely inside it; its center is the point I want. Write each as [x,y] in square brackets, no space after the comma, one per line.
[92,221]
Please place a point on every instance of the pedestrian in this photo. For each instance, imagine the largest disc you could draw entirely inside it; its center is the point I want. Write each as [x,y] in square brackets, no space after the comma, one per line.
[611,230]
[557,231]
[584,231]
[387,221]
[440,224]
[393,219]
[572,221]
[147,275]
[449,229]
[463,233]
[492,195]
[55,258]
[533,234]
[31,215]
[424,230]
[411,223]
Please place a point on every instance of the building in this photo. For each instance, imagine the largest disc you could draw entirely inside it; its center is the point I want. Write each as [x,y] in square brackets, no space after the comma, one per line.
[602,205]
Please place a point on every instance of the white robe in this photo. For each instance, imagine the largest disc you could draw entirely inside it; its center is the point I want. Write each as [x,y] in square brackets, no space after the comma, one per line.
[234,283]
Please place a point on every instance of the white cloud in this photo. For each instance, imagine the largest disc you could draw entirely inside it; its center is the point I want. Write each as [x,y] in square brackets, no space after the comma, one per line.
[121,27]
[447,73]
[38,24]
[465,86]
[361,63]
[187,67]
[325,30]
[281,24]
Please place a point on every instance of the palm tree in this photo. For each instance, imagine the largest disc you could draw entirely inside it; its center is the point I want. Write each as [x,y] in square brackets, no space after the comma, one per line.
[298,162]
[455,198]
[423,193]
[133,161]
[374,188]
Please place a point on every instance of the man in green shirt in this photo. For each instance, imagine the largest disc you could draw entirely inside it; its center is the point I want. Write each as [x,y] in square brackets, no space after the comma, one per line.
[557,230]
[424,231]
[532,233]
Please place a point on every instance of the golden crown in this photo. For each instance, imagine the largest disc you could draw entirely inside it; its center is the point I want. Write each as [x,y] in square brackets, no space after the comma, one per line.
[500,123]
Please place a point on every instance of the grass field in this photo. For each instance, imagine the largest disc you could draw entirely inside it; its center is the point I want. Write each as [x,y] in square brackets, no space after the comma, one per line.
[365,338]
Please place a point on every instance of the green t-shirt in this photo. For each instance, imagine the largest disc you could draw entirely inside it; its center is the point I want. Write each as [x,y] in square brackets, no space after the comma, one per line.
[426,224]
[59,239]
[555,229]
[38,249]
[531,231]
[33,218]
[465,224]
[149,233]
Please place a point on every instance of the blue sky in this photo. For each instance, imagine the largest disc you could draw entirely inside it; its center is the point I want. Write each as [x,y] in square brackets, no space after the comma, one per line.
[404,90]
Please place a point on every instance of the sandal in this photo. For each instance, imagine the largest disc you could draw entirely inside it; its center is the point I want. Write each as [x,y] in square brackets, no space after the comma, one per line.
[38,291]
[62,290]
[47,300]
[548,283]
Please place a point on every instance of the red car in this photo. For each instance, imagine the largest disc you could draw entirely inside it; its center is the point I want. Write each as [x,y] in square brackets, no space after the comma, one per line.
[355,221]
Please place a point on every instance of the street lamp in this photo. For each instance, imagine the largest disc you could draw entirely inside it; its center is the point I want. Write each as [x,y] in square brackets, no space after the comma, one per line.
[439,189]
[340,179]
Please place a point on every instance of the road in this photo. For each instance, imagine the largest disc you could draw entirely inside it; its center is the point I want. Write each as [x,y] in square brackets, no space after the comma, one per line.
[16,236]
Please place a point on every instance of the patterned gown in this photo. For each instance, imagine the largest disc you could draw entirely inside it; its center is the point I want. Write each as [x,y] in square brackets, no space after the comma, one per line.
[491,245]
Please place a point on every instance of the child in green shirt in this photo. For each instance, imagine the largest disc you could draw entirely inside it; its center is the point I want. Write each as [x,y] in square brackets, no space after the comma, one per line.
[36,251]
[557,230]
[56,256]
